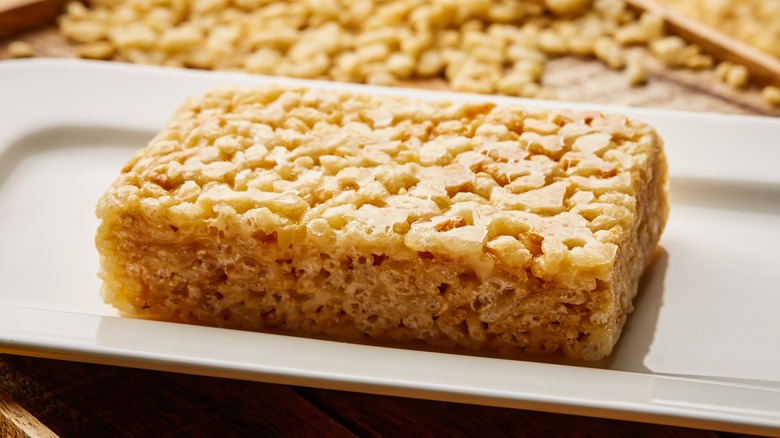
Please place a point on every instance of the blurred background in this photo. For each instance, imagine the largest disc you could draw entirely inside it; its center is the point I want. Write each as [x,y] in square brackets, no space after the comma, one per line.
[706,55]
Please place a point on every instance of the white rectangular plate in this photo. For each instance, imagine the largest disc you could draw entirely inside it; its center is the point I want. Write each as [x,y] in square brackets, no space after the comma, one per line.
[701,350]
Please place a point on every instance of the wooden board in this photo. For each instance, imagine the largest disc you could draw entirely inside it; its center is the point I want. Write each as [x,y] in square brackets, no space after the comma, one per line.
[764,68]
[17,16]
[78,400]
[16,422]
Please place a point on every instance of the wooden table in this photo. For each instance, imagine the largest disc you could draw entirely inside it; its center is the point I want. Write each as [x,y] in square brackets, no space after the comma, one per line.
[41,396]
[82,400]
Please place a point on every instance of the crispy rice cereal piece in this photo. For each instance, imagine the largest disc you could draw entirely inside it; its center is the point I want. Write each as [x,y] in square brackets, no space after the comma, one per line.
[320,212]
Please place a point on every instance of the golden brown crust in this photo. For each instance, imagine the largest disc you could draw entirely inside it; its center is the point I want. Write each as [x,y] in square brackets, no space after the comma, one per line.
[454,223]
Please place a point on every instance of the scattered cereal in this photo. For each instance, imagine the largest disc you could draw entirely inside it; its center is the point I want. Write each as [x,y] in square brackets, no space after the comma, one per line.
[636,70]
[736,76]
[483,46]
[20,49]
[756,22]
[771,94]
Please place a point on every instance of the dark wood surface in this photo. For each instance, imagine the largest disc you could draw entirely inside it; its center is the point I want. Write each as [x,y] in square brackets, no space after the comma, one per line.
[84,400]
[80,400]
[21,15]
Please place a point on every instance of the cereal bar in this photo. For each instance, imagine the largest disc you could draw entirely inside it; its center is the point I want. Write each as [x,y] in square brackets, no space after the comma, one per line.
[352,216]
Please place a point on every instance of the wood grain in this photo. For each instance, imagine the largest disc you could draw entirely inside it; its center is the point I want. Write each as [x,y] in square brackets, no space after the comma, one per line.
[373,416]
[17,16]
[764,68]
[16,422]
[77,400]
[80,400]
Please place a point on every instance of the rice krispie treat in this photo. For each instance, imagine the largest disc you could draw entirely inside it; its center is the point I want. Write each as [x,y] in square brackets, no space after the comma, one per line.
[347,215]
